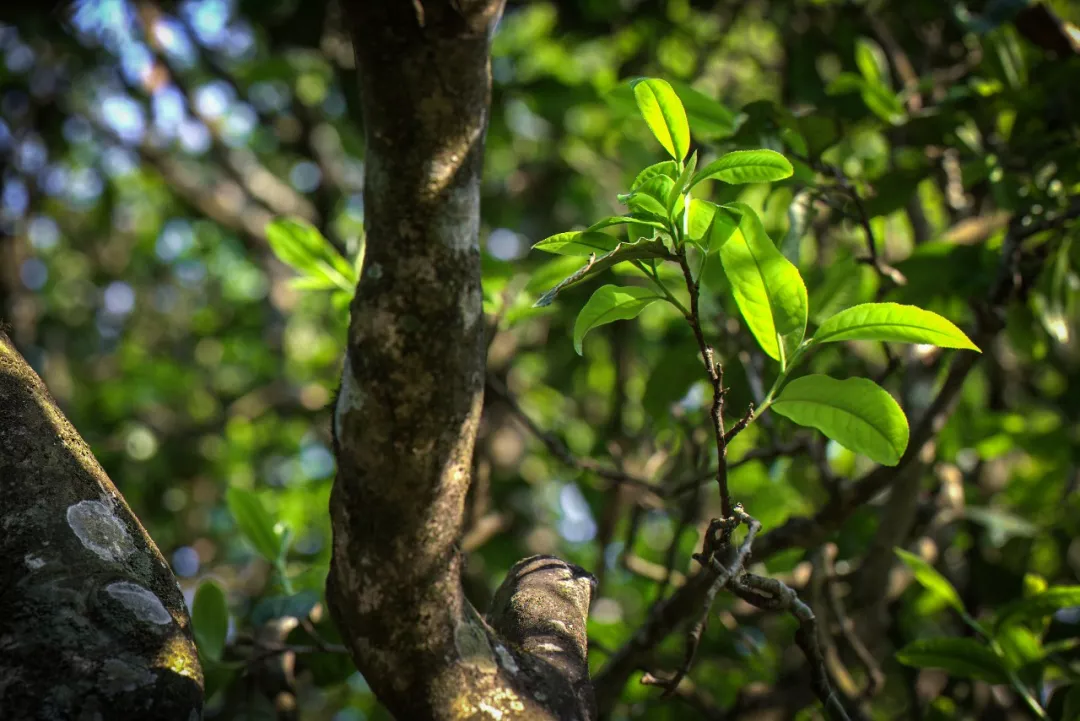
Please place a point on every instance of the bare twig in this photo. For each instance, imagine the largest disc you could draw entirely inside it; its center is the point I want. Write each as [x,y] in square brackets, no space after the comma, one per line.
[717,543]
[716,378]
[771,594]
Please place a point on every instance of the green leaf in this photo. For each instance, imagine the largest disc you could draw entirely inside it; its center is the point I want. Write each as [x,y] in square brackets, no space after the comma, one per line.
[301,246]
[746,166]
[680,183]
[650,199]
[768,289]
[1039,606]
[254,522]
[210,619]
[1020,647]
[611,303]
[892,322]
[871,61]
[620,220]
[668,168]
[699,217]
[578,243]
[931,580]
[856,413]
[664,114]
[640,250]
[959,656]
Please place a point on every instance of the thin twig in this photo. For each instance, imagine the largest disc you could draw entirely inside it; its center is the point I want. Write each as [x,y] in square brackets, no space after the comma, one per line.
[717,542]
[774,595]
[557,448]
[847,627]
[716,378]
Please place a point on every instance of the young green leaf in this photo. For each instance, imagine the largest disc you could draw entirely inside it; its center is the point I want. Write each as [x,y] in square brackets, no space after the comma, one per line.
[620,220]
[649,200]
[856,413]
[254,522]
[931,580]
[301,246]
[679,186]
[1039,606]
[640,250]
[870,59]
[664,114]
[892,322]
[746,166]
[768,289]
[699,217]
[668,168]
[611,303]
[964,657]
[210,619]
[581,243]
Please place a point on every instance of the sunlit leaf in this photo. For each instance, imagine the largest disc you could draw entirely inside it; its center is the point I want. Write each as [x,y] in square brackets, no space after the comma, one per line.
[581,243]
[668,168]
[892,322]
[664,114]
[301,246]
[746,166]
[856,413]
[768,289]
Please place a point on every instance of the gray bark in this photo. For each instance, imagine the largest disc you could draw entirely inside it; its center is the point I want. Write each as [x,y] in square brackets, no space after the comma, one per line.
[411,393]
[92,622]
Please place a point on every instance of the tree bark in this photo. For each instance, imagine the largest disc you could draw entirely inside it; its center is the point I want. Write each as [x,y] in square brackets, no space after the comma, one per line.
[411,393]
[92,621]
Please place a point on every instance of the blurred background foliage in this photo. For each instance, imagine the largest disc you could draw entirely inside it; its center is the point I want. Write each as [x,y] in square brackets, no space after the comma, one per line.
[145,147]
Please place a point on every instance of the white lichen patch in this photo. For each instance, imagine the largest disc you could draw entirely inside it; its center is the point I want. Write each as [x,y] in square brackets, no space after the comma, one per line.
[506,658]
[550,647]
[457,224]
[350,398]
[471,304]
[99,530]
[33,561]
[140,601]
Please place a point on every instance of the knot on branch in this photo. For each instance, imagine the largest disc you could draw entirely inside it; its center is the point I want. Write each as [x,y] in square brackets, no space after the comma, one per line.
[541,610]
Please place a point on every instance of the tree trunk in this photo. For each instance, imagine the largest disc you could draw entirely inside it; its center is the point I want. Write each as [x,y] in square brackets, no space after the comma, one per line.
[411,393]
[92,622]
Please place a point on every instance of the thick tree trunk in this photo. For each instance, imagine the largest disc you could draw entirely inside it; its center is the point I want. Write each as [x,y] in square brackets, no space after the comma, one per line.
[411,394]
[92,622]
